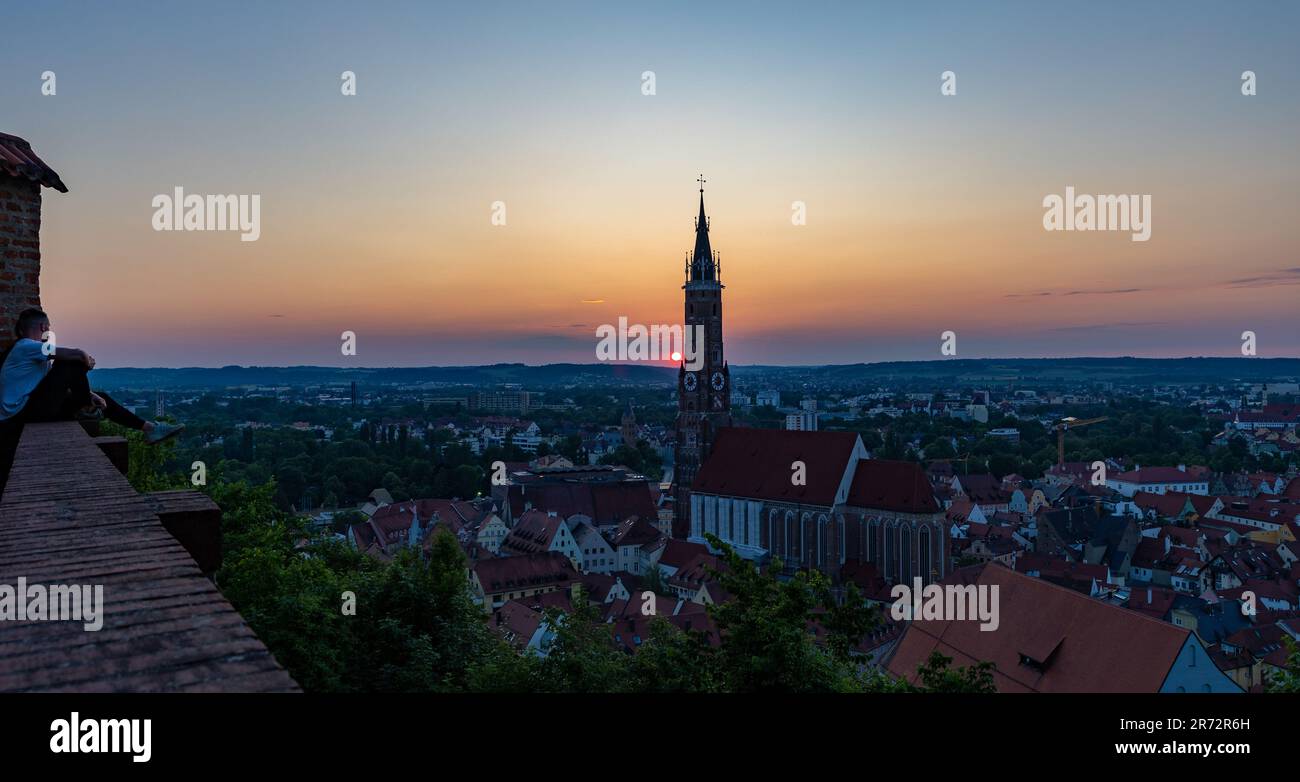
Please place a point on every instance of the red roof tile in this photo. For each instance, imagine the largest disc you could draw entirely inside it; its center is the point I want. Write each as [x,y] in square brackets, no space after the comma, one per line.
[1192,474]
[889,485]
[1087,645]
[18,160]
[550,568]
[755,463]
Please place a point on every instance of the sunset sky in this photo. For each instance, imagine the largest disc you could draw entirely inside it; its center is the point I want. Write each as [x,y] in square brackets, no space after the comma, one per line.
[924,211]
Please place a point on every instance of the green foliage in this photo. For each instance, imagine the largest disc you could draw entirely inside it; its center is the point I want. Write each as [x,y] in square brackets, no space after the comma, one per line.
[767,640]
[414,628]
[146,463]
[1288,678]
[653,581]
[673,660]
[846,621]
[583,656]
[642,459]
[936,675]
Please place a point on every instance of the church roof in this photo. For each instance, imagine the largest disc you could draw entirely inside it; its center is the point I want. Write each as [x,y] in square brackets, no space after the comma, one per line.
[756,464]
[702,249]
[883,484]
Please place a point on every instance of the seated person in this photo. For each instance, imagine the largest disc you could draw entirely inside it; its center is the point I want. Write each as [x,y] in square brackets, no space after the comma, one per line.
[37,387]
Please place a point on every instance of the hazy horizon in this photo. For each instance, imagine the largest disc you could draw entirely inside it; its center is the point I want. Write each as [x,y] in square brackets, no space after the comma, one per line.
[670,366]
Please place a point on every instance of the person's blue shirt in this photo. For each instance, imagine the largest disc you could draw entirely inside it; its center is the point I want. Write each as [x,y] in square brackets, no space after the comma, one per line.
[23,370]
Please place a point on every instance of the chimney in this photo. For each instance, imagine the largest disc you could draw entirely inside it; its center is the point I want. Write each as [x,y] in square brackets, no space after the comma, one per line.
[22,174]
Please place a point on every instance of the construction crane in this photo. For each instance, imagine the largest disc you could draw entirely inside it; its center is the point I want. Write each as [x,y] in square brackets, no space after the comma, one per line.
[1070,423]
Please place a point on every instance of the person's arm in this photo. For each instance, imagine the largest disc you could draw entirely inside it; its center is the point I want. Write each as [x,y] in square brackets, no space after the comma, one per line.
[74,354]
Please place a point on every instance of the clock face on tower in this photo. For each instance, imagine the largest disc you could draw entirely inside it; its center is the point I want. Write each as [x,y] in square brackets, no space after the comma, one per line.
[690,382]
[718,381]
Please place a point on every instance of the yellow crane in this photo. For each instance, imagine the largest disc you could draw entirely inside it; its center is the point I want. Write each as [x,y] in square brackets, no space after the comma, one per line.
[1070,423]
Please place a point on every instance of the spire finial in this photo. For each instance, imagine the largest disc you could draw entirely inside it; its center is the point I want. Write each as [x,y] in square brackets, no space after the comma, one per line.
[702,263]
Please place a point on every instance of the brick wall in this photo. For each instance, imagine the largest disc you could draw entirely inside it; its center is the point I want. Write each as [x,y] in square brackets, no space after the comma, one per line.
[20,251]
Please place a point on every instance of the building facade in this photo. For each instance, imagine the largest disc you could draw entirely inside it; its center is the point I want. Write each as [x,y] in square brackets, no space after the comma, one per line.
[838,506]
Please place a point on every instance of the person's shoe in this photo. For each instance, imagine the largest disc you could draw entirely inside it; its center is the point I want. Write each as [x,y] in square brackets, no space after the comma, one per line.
[162,431]
[90,413]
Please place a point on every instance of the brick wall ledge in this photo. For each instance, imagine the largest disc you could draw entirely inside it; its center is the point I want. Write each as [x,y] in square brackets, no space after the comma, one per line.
[69,517]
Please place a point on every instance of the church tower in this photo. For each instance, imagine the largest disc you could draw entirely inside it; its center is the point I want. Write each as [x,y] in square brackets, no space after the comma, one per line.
[703,385]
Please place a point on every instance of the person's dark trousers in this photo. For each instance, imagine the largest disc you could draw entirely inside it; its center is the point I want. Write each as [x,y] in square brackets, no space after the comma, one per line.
[64,391]
[10,430]
[59,396]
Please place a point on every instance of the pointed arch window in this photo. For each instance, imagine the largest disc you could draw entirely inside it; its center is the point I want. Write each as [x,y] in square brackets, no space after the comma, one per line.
[891,552]
[905,553]
[923,556]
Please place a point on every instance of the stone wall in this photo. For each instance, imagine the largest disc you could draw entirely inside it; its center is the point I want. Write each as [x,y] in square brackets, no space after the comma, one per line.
[20,251]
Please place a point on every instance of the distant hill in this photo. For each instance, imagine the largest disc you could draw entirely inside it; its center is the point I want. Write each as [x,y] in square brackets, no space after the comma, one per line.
[1021,371]
[1034,370]
[531,376]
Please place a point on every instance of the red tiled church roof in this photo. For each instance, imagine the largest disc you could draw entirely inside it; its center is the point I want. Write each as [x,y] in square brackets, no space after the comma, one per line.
[755,463]
[890,485]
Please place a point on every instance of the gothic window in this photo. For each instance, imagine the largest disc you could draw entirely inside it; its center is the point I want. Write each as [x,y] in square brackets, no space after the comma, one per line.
[905,553]
[873,554]
[841,530]
[891,552]
[805,539]
[923,554]
[820,559]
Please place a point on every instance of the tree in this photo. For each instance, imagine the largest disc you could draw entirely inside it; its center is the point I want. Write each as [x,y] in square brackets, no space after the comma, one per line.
[582,656]
[291,485]
[1287,679]
[146,463]
[767,645]
[653,581]
[936,675]
[846,622]
[672,660]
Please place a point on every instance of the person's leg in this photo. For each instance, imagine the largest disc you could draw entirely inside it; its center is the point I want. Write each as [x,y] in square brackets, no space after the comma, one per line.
[58,396]
[120,415]
[10,430]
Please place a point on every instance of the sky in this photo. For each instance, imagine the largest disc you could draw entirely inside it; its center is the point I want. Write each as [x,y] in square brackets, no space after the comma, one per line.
[924,211]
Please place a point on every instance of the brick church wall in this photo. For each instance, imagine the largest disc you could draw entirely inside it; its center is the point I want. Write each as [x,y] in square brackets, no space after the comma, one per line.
[20,251]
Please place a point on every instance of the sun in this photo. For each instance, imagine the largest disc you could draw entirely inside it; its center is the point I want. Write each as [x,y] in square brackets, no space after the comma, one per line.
[677,356]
